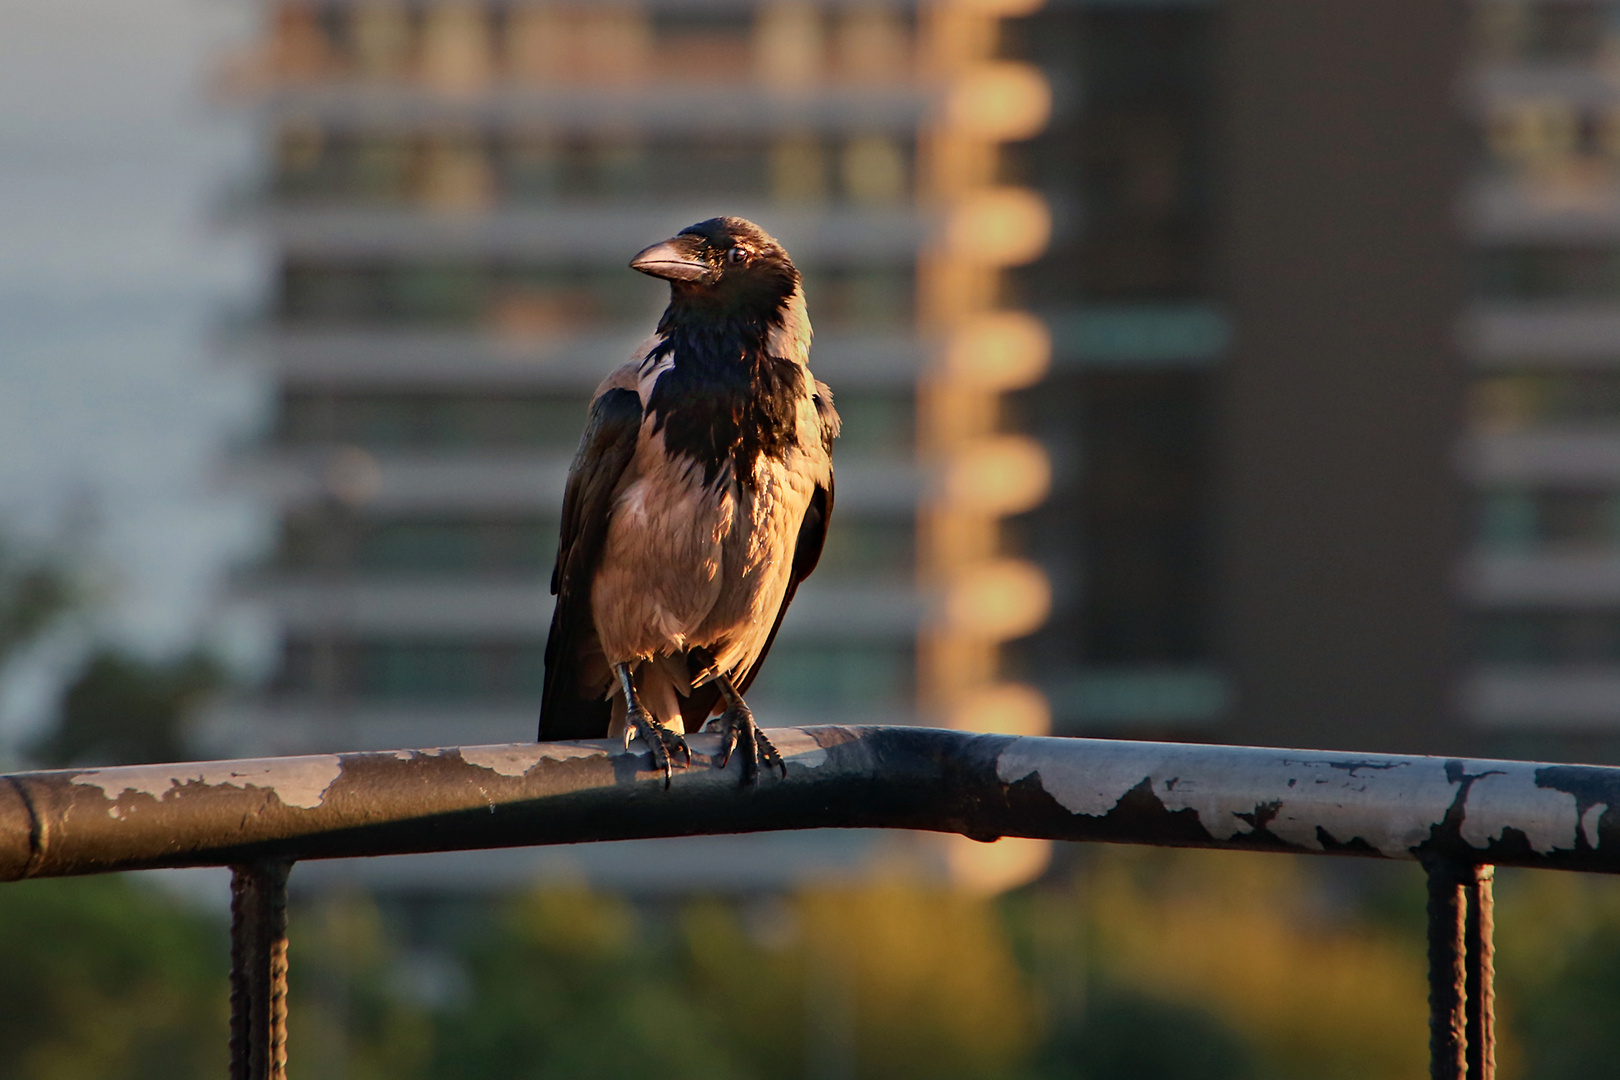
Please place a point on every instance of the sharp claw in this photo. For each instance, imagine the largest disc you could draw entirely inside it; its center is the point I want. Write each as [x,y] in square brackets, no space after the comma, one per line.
[769,754]
[738,727]
[728,743]
[661,742]
[750,749]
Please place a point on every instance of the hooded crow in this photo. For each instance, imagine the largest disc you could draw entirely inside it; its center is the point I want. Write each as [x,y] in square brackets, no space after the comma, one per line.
[696,504]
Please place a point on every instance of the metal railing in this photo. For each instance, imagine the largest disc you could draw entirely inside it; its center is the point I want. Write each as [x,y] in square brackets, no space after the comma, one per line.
[1458,817]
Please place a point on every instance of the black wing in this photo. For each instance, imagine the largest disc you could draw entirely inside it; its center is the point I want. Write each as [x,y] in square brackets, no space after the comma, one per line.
[572,705]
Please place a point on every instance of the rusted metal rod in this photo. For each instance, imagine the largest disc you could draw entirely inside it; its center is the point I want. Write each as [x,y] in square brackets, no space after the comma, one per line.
[259,969]
[1448,992]
[1462,997]
[1480,963]
[1508,813]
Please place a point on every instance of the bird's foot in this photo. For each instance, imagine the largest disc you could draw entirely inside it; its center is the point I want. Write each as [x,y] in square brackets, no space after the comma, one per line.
[663,742]
[737,726]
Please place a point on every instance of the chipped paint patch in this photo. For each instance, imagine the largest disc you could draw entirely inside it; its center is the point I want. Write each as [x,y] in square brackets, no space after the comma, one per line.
[1392,809]
[1500,800]
[797,747]
[300,782]
[1089,783]
[412,755]
[516,759]
[1386,803]
[1590,822]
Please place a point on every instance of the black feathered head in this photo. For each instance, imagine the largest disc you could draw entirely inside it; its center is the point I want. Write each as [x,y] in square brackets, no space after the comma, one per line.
[724,265]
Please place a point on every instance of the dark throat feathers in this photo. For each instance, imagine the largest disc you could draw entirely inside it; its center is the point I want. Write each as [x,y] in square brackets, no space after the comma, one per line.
[726,400]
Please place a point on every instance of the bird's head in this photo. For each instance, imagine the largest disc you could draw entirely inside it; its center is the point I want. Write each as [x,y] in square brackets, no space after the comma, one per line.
[724,264]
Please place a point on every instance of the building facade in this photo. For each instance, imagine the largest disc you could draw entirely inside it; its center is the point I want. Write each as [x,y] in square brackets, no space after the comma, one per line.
[1542,339]
[1237,371]
[454,190]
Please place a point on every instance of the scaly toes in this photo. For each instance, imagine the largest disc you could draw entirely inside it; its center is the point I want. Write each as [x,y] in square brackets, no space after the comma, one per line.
[738,727]
[661,741]
[729,731]
[674,742]
[767,753]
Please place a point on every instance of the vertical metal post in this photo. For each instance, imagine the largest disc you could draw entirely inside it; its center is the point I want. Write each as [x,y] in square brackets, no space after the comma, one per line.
[1481,974]
[259,970]
[1462,970]
[1448,982]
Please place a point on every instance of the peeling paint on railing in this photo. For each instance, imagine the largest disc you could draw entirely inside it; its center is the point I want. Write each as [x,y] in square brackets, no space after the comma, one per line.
[1502,812]
[300,782]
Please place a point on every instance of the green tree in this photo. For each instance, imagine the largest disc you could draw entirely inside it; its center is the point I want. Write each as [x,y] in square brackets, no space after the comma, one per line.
[124,710]
[349,1020]
[33,594]
[574,985]
[103,979]
[1127,1035]
[1558,974]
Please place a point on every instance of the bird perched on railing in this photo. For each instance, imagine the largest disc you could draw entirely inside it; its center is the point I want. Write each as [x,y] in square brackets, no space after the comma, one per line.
[696,504]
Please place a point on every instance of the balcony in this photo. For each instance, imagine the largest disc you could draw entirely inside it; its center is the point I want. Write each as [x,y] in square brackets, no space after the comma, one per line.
[522,606]
[595,236]
[392,358]
[1564,580]
[718,110]
[1548,334]
[1583,697]
[1568,457]
[478,482]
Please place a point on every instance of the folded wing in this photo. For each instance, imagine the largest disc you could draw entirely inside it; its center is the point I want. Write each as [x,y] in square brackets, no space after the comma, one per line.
[572,705]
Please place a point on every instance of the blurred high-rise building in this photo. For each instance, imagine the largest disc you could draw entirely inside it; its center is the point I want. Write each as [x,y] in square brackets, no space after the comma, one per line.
[1542,339]
[1242,371]
[1334,409]
[1254,411]
[1128,289]
[453,190]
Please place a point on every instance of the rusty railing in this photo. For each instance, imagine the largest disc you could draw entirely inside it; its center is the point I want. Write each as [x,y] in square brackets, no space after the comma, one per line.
[1458,818]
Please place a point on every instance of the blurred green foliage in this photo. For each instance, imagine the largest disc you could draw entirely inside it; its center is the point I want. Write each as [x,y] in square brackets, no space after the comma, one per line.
[118,709]
[1558,973]
[122,709]
[102,978]
[1142,964]
[34,592]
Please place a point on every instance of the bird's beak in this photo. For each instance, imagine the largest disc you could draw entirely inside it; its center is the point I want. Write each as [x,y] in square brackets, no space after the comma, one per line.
[675,259]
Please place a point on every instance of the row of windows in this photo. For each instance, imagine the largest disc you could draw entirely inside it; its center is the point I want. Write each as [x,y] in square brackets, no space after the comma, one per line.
[1573,31]
[1137,156]
[419,546]
[470,170]
[1547,141]
[874,424]
[1127,536]
[836,675]
[526,546]
[1548,273]
[530,299]
[1563,637]
[431,421]
[463,46]
[1527,400]
[1521,521]
[1552,134]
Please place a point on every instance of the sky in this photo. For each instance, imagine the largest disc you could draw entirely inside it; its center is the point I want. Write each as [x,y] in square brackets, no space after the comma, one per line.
[117,269]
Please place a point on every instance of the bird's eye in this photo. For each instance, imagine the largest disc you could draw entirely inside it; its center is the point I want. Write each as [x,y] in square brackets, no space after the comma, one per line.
[736,256]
